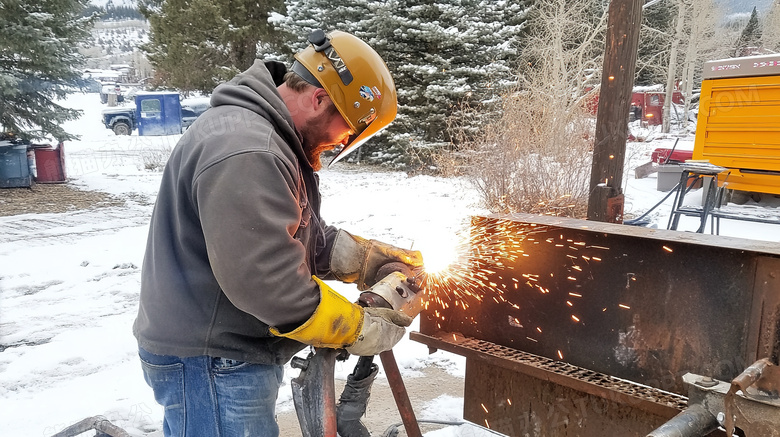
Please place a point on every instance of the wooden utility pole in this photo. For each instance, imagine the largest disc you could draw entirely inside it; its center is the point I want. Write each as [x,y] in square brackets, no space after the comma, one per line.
[617,81]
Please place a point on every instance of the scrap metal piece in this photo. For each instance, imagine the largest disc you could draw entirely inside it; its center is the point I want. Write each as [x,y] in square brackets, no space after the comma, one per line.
[314,393]
[728,405]
[744,413]
[98,423]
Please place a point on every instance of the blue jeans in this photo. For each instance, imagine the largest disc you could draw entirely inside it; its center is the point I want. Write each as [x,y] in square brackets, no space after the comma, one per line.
[213,397]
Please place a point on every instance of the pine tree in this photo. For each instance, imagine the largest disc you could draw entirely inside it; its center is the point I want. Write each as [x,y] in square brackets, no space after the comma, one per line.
[248,29]
[654,42]
[304,16]
[488,60]
[450,60]
[196,44]
[750,37]
[39,64]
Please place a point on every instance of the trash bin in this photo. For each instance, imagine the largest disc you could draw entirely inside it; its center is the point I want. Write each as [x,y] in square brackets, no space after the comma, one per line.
[14,168]
[49,164]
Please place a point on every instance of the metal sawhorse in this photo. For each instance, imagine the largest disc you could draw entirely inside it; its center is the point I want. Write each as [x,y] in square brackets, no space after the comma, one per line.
[693,172]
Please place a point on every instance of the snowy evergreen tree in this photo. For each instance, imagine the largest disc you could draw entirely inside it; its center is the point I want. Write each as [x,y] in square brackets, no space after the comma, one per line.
[196,44]
[304,16]
[750,37]
[450,59]
[249,31]
[489,61]
[39,64]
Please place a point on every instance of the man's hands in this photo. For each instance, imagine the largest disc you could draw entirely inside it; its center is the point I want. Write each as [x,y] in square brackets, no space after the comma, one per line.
[382,329]
[339,323]
[355,259]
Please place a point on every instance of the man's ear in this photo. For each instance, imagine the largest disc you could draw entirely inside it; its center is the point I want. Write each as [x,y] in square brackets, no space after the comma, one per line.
[320,99]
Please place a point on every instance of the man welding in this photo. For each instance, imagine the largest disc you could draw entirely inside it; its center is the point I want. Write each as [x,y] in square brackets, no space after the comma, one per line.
[232,281]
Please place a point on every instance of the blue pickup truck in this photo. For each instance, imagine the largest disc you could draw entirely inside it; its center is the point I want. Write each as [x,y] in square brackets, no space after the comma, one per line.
[121,120]
[155,114]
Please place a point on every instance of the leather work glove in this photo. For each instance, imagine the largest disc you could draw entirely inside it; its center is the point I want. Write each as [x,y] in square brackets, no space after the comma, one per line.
[382,329]
[356,260]
[339,323]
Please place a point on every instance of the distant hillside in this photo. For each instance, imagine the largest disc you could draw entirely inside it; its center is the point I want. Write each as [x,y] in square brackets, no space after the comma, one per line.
[737,6]
[103,3]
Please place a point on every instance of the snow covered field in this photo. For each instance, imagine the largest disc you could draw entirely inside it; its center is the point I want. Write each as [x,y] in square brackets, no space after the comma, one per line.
[69,282]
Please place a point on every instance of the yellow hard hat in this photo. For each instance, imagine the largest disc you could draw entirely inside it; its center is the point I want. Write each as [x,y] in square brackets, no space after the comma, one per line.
[356,79]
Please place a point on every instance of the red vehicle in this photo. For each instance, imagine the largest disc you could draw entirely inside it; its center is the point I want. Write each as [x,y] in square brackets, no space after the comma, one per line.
[648,106]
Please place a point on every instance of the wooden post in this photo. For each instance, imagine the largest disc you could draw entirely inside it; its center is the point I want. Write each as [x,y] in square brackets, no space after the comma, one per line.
[617,82]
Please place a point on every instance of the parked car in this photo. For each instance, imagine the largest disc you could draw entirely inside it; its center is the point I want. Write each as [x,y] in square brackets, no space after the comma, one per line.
[120,119]
[191,109]
[124,120]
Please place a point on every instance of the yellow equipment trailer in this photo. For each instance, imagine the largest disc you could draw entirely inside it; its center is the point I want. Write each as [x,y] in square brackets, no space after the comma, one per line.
[739,121]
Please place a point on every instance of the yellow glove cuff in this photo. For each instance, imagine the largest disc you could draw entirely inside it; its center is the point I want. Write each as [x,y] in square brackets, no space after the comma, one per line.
[336,322]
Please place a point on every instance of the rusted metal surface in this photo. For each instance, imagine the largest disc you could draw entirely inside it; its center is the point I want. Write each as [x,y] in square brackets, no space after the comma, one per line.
[639,304]
[517,393]
[400,394]
[654,401]
[577,328]
[764,331]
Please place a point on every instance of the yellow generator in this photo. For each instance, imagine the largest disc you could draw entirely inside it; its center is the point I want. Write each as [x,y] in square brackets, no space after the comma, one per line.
[739,122]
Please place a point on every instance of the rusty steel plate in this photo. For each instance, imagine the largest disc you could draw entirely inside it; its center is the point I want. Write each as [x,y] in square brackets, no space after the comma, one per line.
[641,304]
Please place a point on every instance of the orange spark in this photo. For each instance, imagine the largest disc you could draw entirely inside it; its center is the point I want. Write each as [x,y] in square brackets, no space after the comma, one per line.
[560,354]
[668,249]
[575,318]
[624,306]
[575,294]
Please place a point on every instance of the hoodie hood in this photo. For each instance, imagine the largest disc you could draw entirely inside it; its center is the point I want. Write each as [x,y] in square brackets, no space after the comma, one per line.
[255,90]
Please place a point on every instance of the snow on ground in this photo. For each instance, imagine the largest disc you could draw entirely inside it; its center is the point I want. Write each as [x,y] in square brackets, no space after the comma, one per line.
[69,282]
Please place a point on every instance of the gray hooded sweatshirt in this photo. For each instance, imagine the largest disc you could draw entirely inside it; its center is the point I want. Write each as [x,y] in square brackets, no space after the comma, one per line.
[235,235]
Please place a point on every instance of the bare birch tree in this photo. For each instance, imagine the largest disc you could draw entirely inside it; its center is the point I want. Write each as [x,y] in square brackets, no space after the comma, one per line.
[536,158]
[671,73]
[697,35]
[771,35]
[702,43]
